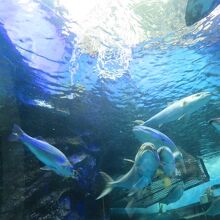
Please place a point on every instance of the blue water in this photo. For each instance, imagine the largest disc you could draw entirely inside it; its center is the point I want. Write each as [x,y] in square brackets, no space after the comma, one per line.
[58,84]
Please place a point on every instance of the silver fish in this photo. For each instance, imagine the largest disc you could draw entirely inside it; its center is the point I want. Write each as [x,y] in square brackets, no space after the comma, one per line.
[52,157]
[198,9]
[140,175]
[180,109]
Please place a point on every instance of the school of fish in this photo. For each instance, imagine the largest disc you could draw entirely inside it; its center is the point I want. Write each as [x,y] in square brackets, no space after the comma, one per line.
[157,155]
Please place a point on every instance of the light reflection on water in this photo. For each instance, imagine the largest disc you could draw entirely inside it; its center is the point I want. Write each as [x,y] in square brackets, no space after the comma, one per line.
[138,55]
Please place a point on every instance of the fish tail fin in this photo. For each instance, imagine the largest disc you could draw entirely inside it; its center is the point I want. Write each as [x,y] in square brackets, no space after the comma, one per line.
[108,187]
[16,133]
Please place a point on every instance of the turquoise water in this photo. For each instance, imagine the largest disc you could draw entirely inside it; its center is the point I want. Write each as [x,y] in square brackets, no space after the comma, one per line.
[79,74]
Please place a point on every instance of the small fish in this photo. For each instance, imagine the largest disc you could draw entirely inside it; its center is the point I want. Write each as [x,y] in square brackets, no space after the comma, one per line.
[75,141]
[180,109]
[147,134]
[215,122]
[198,9]
[77,158]
[140,175]
[52,157]
[41,103]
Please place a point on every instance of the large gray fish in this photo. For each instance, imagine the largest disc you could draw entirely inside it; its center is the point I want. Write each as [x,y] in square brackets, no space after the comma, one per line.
[140,175]
[215,122]
[180,109]
[198,9]
[52,157]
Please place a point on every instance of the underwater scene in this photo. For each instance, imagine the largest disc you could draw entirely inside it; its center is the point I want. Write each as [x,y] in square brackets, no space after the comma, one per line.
[109,109]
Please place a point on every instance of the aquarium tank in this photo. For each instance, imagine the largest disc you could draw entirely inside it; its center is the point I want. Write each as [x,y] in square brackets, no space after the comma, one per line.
[109,109]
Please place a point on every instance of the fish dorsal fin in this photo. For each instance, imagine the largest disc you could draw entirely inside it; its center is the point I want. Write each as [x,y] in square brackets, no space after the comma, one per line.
[184,103]
[128,160]
[139,122]
[40,138]
[46,168]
